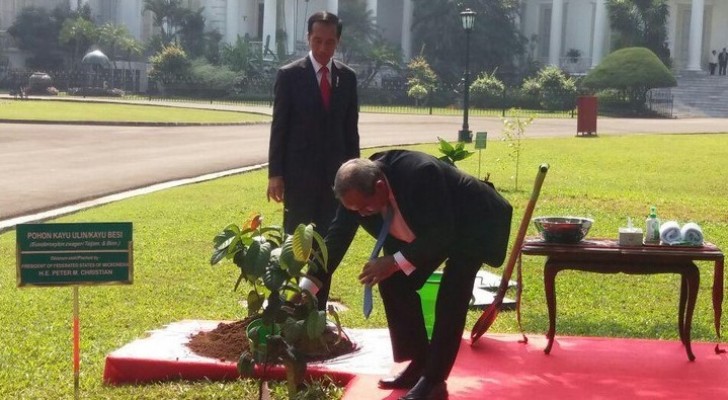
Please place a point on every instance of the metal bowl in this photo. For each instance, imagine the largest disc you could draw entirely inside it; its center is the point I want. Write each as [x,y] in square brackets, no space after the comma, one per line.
[562,229]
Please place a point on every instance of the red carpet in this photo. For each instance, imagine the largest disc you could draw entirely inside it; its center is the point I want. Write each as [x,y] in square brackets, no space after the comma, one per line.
[498,367]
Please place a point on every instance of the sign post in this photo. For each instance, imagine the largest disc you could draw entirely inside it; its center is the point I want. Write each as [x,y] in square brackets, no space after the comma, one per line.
[481,141]
[74,254]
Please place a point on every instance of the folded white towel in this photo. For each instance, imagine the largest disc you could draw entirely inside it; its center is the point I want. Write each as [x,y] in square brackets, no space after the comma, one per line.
[692,234]
[670,232]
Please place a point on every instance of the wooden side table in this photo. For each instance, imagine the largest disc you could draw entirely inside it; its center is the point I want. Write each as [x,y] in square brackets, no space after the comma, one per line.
[606,256]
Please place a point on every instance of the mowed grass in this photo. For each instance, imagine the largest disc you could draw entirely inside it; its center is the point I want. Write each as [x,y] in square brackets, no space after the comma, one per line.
[607,178]
[45,110]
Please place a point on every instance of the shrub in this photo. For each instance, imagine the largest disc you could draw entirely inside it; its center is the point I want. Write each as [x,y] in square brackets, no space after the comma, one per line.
[554,89]
[171,61]
[632,71]
[486,91]
[557,90]
[520,98]
[417,92]
[420,76]
[210,80]
[531,86]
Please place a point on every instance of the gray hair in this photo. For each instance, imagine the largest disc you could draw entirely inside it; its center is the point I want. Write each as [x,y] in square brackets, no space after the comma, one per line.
[358,174]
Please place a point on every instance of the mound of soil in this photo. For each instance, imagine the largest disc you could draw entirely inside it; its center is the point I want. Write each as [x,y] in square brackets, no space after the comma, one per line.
[229,340]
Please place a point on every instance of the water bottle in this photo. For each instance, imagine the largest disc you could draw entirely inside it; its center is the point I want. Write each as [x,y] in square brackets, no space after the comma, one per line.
[652,227]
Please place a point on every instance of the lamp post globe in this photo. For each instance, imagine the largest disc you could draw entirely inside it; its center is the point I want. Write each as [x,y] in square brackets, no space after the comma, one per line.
[468,19]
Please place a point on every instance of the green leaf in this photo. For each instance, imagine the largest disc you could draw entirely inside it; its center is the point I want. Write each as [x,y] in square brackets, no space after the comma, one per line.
[255,302]
[303,242]
[295,267]
[246,364]
[223,239]
[250,259]
[218,255]
[240,279]
[323,250]
[273,234]
[292,330]
[262,259]
[315,324]
[270,313]
[340,331]
[447,160]
[286,257]
[274,277]
[445,147]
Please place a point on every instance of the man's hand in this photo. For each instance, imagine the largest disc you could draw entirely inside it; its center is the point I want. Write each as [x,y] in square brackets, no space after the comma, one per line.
[275,189]
[378,270]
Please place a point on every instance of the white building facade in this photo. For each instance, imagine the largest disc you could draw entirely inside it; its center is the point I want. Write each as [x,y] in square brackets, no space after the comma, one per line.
[555,28]
[256,19]
[694,27]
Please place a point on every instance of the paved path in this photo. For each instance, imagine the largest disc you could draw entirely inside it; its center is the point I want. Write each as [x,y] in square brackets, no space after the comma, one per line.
[43,167]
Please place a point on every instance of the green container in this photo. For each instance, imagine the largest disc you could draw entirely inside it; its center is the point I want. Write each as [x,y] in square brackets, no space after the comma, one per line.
[258,338]
[428,298]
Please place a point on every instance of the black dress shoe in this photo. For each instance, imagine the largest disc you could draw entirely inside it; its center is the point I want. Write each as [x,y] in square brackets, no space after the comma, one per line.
[405,379]
[427,390]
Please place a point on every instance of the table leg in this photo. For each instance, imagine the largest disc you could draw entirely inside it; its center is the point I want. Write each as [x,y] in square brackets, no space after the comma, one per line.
[681,307]
[549,280]
[718,299]
[692,276]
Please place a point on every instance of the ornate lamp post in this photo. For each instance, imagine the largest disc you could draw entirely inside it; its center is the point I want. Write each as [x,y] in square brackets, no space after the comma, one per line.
[468,17]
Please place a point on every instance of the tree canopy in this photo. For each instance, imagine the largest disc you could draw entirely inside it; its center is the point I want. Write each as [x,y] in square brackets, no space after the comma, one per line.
[494,41]
[362,42]
[629,67]
[641,23]
[633,71]
[36,30]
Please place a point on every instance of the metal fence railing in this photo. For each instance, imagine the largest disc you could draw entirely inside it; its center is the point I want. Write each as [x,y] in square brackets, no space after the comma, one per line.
[660,102]
[388,97]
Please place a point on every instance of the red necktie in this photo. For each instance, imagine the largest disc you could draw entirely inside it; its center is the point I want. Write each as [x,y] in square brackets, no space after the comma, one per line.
[325,86]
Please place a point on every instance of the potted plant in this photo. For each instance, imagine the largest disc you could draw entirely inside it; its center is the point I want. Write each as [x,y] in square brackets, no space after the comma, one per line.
[290,324]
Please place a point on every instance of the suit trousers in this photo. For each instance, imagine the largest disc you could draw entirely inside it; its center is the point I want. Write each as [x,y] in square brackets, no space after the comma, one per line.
[311,203]
[406,323]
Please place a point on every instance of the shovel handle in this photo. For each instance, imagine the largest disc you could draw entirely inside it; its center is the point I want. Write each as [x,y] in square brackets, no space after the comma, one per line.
[491,312]
[520,236]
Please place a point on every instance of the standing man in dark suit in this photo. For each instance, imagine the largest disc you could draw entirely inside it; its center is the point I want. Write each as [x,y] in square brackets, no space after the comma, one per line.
[722,62]
[314,130]
[440,214]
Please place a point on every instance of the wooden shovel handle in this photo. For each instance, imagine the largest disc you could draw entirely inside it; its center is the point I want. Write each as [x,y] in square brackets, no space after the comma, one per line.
[491,312]
[521,235]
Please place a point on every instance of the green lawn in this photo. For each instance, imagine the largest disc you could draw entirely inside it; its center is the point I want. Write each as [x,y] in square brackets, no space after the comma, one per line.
[608,178]
[35,110]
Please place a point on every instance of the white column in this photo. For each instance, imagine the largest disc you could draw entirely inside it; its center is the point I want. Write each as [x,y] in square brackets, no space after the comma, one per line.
[74,4]
[696,35]
[407,29]
[269,25]
[557,16]
[600,25]
[290,26]
[372,5]
[332,6]
[231,21]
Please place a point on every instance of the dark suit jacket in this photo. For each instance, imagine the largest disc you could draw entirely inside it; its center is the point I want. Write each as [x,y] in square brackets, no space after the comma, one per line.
[448,211]
[307,142]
